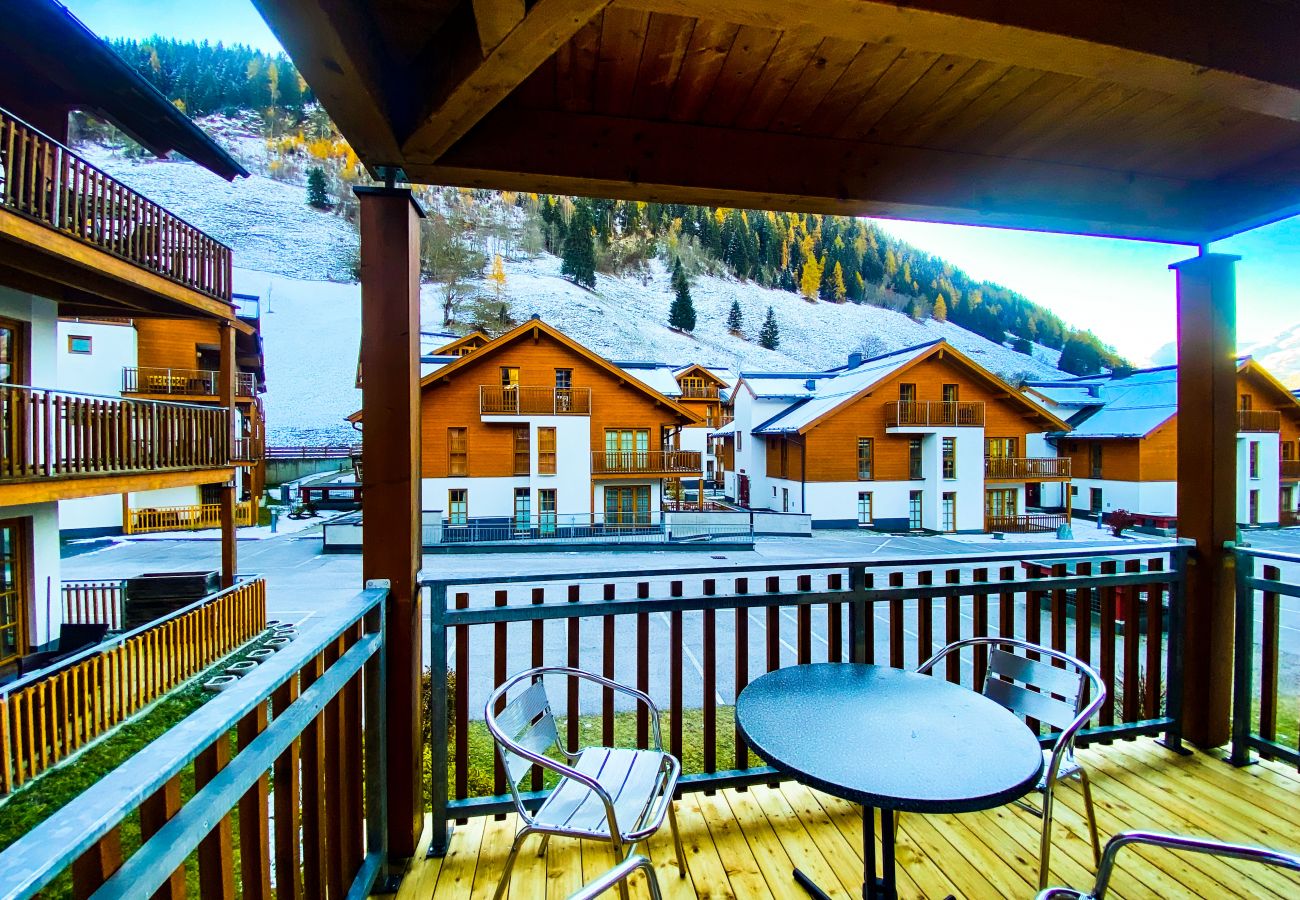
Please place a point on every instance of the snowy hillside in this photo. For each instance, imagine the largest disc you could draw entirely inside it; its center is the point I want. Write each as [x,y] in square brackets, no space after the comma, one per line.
[298,260]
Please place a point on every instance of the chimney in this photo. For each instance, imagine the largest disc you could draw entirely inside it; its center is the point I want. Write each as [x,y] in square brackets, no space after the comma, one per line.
[811,384]
[855,359]
[1094,390]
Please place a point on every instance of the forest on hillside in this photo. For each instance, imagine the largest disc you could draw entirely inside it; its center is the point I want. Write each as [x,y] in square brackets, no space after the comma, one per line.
[831,259]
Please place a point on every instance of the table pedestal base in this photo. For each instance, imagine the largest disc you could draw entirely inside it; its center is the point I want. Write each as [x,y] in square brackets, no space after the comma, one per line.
[877,884]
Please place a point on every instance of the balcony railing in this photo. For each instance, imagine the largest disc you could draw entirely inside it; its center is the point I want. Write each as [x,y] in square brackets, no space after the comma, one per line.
[183,518]
[1289,518]
[1263,718]
[700,393]
[1290,468]
[646,462]
[526,400]
[1032,468]
[1036,523]
[45,181]
[185,382]
[94,603]
[934,413]
[1259,420]
[54,434]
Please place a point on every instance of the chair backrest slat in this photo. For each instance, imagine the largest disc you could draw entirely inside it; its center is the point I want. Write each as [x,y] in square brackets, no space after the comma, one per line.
[1030,704]
[1066,683]
[528,724]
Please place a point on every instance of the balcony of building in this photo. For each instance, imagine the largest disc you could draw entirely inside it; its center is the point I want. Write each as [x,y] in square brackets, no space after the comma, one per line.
[59,445]
[645,462]
[1289,470]
[1033,468]
[66,225]
[699,392]
[1026,523]
[151,381]
[927,415]
[1255,420]
[532,400]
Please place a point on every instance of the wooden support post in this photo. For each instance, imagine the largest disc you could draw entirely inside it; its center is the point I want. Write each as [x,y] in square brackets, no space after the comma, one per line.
[390,453]
[1207,483]
[226,398]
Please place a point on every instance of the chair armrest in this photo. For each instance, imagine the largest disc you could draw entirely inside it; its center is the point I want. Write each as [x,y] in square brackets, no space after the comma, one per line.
[614,686]
[560,769]
[620,873]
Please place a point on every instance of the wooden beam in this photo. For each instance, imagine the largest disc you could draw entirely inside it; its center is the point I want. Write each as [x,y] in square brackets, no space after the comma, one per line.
[679,163]
[71,487]
[1207,486]
[496,19]
[226,398]
[1198,49]
[463,89]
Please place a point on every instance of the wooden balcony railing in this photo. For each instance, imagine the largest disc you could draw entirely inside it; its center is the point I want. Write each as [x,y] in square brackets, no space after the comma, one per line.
[1289,518]
[53,434]
[1259,420]
[1025,524]
[1032,468]
[700,393]
[93,603]
[527,400]
[1267,595]
[183,518]
[646,462]
[185,382]
[45,181]
[934,413]
[1290,468]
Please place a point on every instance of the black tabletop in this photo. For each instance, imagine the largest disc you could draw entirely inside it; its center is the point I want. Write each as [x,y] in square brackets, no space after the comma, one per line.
[890,739]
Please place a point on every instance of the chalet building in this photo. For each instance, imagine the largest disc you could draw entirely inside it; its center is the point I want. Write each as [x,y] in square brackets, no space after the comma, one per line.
[81,254]
[923,438]
[532,430]
[1123,443]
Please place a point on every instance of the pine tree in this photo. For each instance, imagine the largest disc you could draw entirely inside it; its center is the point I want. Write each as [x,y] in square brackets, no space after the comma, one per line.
[317,191]
[940,309]
[735,320]
[682,312]
[838,288]
[769,336]
[579,252]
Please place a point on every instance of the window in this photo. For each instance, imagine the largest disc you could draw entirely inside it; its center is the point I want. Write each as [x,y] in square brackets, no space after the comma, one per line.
[1094,459]
[1001,447]
[1094,500]
[457,451]
[1288,449]
[510,376]
[907,393]
[627,448]
[1254,507]
[949,457]
[914,470]
[563,379]
[950,393]
[739,435]
[864,508]
[1254,459]
[546,452]
[79,343]
[627,505]
[523,509]
[15,554]
[949,512]
[785,458]
[708,417]
[914,499]
[523,464]
[1000,502]
[458,506]
[546,515]
[866,455]
[785,499]
[1246,402]
[13,365]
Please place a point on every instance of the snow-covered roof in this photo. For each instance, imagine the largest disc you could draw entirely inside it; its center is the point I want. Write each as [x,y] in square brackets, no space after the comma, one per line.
[663,376]
[822,393]
[1130,405]
[729,428]
[434,363]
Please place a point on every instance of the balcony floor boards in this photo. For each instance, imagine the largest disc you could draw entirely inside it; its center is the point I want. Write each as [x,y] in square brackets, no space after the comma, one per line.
[744,844]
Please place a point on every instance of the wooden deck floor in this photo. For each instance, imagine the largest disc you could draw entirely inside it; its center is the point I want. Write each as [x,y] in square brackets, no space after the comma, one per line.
[743,844]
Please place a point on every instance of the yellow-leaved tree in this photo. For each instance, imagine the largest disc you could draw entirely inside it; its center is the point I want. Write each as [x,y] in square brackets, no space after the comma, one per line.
[811,279]
[940,309]
[837,283]
[497,276]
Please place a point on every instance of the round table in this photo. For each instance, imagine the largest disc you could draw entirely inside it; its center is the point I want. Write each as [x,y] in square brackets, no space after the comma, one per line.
[889,740]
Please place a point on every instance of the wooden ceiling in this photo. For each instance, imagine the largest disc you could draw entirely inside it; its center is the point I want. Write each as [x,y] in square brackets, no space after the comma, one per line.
[1153,119]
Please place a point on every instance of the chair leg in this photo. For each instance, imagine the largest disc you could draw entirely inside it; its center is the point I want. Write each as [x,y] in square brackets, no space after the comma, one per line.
[541,848]
[677,839]
[1045,841]
[510,863]
[620,854]
[1092,816]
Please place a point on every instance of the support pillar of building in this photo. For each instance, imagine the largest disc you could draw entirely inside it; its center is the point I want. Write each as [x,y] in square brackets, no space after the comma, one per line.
[1207,483]
[226,398]
[390,453]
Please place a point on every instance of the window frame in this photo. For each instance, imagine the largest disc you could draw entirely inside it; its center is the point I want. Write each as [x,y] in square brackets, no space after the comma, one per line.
[1252,452]
[948,458]
[869,499]
[869,445]
[463,503]
[955,390]
[22,590]
[454,455]
[20,373]
[90,344]
[547,450]
[522,450]
[915,460]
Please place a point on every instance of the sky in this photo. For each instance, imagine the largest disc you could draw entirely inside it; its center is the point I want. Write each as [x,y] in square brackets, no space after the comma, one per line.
[1122,290]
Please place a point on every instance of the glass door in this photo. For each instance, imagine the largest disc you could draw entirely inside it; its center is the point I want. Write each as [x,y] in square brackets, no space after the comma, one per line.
[546,511]
[914,517]
[949,512]
[627,505]
[13,588]
[523,510]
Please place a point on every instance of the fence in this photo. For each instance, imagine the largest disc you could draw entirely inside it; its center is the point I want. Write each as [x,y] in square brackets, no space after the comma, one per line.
[934,413]
[533,400]
[642,462]
[50,714]
[93,603]
[45,181]
[894,612]
[1259,420]
[339,453]
[1031,468]
[1027,524]
[183,518]
[312,717]
[1257,711]
[55,434]
[189,382]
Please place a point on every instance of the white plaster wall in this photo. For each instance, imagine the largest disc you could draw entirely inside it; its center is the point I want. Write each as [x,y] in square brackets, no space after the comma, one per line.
[1268,483]
[1124,495]
[91,512]
[100,371]
[42,316]
[487,496]
[838,500]
[1156,497]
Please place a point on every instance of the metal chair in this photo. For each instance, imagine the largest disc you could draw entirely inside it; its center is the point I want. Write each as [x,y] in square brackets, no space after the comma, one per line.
[1171,842]
[619,875]
[1063,698]
[604,794]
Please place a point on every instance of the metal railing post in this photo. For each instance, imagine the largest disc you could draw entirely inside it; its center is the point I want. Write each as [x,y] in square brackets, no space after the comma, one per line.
[1173,738]
[441,836]
[1243,694]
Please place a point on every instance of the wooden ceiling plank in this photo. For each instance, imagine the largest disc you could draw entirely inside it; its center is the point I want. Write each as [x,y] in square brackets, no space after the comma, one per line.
[496,19]
[907,70]
[464,97]
[830,63]
[935,118]
[632,159]
[871,62]
[1042,120]
[1126,118]
[1149,130]
[947,74]
[1213,51]
[710,45]
[992,102]
[991,126]
[745,61]
[666,44]
[622,39]
[575,68]
[1079,127]
[794,54]
[1248,140]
